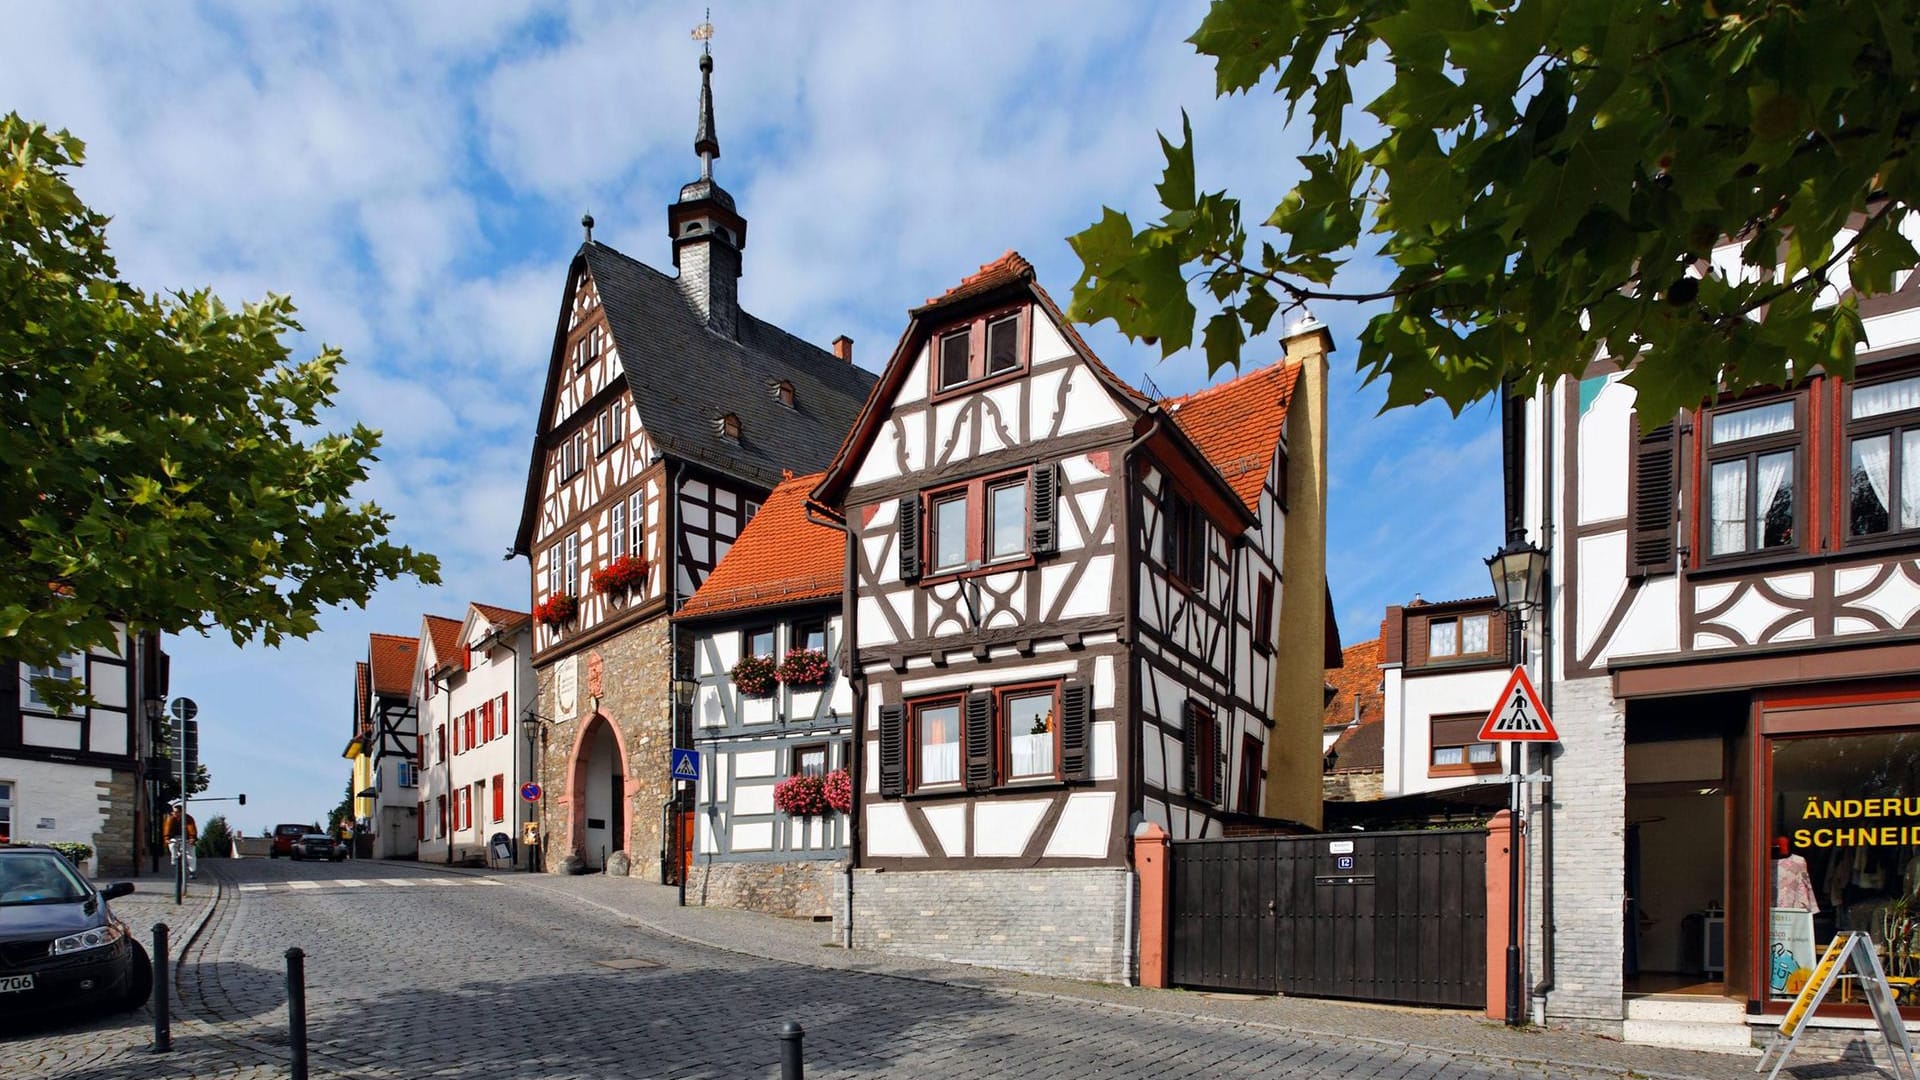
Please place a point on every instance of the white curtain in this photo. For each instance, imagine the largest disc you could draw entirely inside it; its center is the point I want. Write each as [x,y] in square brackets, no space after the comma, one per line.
[940,763]
[1473,634]
[1442,639]
[1752,423]
[1729,507]
[1033,754]
[1879,399]
[1910,480]
[1871,457]
[1775,471]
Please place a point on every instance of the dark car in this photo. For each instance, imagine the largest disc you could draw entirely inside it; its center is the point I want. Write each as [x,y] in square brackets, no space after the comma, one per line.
[286,838]
[60,943]
[319,846]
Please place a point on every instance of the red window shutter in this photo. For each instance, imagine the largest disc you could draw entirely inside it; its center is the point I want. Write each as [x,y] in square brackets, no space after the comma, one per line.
[466,659]
[470,742]
[486,722]
[499,797]
[505,727]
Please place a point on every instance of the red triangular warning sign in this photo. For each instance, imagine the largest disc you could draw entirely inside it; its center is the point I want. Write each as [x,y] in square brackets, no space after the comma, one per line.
[1517,715]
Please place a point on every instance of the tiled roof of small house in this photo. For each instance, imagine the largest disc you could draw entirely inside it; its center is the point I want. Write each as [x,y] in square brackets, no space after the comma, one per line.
[779,558]
[1357,679]
[446,639]
[501,618]
[391,658]
[1237,424]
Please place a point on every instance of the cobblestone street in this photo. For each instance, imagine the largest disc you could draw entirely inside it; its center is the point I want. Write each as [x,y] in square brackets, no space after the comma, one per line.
[416,972]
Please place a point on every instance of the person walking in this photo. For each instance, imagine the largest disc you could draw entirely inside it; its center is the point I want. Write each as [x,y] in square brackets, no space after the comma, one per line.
[181,839]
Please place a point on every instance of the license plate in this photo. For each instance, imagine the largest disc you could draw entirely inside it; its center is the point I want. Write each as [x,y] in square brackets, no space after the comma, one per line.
[14,983]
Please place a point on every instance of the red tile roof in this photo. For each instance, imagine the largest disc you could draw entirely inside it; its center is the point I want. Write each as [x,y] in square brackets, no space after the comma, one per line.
[1237,424]
[391,656]
[360,703]
[501,618]
[446,640]
[779,558]
[1005,270]
[1358,678]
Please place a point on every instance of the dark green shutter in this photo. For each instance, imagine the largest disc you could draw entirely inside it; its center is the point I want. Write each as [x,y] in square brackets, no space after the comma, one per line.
[1045,517]
[1652,500]
[893,750]
[910,538]
[1076,722]
[979,741]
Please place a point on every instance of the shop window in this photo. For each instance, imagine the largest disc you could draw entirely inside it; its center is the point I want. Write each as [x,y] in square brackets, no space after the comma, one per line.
[1845,850]
[1883,454]
[810,760]
[1031,732]
[1467,635]
[1752,478]
[1455,748]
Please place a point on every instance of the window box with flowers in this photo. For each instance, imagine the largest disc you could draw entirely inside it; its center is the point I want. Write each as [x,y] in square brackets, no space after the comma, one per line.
[837,786]
[621,576]
[754,676]
[804,668]
[557,610]
[801,796]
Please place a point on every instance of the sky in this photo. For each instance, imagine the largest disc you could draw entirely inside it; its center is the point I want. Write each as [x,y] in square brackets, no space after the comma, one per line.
[413,176]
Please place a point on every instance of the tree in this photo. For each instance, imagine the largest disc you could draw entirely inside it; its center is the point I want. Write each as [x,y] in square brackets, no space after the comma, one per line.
[162,461]
[343,812]
[1548,181]
[216,839]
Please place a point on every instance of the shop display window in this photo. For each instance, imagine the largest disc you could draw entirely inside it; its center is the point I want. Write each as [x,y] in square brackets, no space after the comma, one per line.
[1844,852]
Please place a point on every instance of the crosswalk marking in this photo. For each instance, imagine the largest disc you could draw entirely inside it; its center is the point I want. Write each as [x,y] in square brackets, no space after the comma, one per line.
[305,884]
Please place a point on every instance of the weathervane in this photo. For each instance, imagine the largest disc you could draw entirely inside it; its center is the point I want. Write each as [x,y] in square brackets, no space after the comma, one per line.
[704,33]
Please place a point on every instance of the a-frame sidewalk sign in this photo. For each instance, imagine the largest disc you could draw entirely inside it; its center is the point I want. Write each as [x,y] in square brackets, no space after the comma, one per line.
[1849,948]
[1517,715]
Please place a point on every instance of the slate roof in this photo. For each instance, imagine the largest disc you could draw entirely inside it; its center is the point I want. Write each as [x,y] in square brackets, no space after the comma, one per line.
[684,376]
[391,658]
[446,640]
[1361,746]
[779,558]
[1236,425]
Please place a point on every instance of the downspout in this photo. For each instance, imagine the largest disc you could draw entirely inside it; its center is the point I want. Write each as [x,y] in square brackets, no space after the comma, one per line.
[446,758]
[511,733]
[1127,637]
[857,682]
[1545,814]
[670,822]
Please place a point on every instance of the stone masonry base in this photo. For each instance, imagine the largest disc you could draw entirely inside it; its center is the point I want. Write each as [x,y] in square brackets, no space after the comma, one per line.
[799,890]
[1064,922]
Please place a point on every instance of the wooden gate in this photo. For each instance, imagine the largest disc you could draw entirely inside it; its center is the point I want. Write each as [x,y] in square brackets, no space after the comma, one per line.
[1392,916]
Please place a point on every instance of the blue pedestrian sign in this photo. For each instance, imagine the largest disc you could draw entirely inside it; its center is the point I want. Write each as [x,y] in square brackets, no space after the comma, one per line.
[686,764]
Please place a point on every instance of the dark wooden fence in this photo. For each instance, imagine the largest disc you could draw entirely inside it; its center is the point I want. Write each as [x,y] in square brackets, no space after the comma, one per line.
[1394,917]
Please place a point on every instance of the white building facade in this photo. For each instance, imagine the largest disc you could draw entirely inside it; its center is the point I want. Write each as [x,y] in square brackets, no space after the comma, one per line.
[476,681]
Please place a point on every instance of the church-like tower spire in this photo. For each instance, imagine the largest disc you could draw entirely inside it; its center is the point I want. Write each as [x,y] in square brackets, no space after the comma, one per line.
[707,231]
[705,142]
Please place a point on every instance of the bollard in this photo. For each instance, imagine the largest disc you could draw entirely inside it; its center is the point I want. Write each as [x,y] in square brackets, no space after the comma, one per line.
[791,1066]
[297,1011]
[162,1014]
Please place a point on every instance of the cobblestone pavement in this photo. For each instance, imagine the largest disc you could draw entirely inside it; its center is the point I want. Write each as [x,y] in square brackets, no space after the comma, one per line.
[544,977]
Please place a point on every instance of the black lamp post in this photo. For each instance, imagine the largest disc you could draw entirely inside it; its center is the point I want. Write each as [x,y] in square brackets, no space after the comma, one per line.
[1519,570]
[684,690]
[531,726]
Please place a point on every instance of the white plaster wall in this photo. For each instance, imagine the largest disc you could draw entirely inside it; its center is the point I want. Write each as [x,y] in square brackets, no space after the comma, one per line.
[1425,696]
[64,795]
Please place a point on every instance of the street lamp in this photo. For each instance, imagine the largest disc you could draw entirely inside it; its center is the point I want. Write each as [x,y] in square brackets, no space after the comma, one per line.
[531,725]
[1519,570]
[683,690]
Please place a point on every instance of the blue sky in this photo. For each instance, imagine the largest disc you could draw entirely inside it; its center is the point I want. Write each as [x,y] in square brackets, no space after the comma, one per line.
[413,176]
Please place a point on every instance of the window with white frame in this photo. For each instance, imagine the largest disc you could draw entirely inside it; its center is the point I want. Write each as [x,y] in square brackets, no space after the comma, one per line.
[637,523]
[1752,478]
[571,566]
[556,577]
[66,670]
[1883,483]
[617,529]
[409,774]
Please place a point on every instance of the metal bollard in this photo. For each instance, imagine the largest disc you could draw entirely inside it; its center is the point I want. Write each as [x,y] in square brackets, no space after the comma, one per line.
[791,1065]
[162,1013]
[297,1011]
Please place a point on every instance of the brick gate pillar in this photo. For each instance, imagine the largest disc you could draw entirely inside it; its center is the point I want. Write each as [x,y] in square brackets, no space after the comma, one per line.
[1498,855]
[1151,862]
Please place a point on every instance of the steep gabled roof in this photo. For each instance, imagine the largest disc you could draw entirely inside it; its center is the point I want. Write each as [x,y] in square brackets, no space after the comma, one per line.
[1009,274]
[1357,693]
[501,618]
[1237,425]
[780,558]
[390,657]
[445,636]
[684,375]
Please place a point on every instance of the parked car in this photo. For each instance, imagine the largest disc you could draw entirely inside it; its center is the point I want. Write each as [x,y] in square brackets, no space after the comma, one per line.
[286,838]
[316,845]
[60,943]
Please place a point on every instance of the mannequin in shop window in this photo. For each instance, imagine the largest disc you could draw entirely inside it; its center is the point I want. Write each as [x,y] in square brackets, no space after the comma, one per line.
[1792,881]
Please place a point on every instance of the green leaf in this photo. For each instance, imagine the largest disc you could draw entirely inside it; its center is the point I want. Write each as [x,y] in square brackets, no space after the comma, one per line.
[1176,184]
[1223,340]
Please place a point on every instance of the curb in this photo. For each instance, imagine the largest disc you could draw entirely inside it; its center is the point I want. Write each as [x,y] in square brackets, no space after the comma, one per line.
[1156,1010]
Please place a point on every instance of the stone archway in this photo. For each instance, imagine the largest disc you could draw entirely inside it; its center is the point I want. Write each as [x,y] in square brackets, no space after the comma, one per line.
[598,786]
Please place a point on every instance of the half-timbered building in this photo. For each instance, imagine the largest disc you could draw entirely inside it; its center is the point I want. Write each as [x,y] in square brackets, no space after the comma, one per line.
[83,774]
[669,413]
[1066,616]
[1732,640]
[391,744]
[773,715]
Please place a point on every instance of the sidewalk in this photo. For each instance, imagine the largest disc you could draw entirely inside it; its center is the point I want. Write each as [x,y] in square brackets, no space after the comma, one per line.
[1452,1032]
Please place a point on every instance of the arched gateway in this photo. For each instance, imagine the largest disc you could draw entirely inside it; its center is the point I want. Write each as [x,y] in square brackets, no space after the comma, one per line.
[598,782]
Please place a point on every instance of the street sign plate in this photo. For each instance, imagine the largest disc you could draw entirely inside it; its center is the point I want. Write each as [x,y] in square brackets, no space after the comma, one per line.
[686,764]
[530,792]
[1517,715]
[184,708]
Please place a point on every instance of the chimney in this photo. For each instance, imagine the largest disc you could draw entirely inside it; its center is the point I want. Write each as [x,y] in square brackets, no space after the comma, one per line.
[843,348]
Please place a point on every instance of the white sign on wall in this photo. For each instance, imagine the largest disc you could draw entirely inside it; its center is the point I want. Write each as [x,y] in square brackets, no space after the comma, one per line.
[566,686]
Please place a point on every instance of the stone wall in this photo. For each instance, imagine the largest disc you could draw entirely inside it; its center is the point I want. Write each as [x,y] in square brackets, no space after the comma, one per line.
[796,888]
[1353,786]
[636,669]
[1589,823]
[1070,923]
[116,848]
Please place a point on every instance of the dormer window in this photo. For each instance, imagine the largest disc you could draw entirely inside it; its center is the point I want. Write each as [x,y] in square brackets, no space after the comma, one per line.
[783,393]
[587,349]
[728,427]
[988,347]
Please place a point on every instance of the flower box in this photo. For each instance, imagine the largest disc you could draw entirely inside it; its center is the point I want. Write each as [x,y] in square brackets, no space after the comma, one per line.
[804,668]
[621,576]
[557,610]
[837,786]
[801,796]
[754,675]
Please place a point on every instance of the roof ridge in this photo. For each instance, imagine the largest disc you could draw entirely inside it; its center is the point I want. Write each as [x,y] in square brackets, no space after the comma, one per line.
[395,637]
[1277,366]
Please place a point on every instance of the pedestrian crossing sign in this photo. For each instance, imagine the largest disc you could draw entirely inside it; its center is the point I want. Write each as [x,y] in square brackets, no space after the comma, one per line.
[686,764]
[1517,715]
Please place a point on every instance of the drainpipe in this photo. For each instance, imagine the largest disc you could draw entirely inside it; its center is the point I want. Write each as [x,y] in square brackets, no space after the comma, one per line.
[857,681]
[1127,636]
[446,758]
[514,682]
[1545,815]
[670,827]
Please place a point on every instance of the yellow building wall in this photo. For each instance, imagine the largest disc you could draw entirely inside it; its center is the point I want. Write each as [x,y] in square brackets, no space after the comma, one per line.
[1293,748]
[362,780]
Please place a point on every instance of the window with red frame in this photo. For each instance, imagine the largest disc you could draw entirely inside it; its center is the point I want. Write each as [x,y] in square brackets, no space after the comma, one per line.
[1029,732]
[977,523]
[1752,478]
[989,738]
[499,796]
[985,347]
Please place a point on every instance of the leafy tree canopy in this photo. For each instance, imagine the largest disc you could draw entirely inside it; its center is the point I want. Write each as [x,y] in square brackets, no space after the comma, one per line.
[1548,181]
[161,460]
